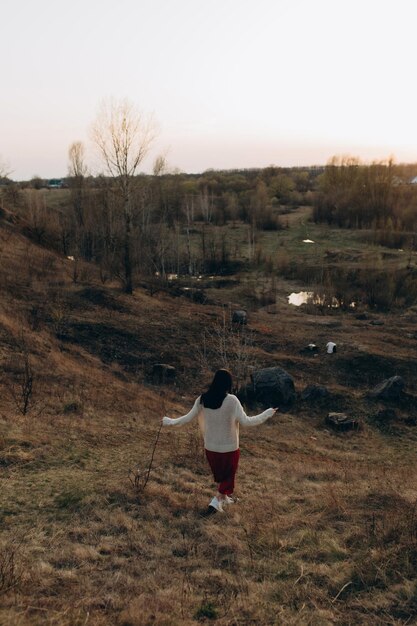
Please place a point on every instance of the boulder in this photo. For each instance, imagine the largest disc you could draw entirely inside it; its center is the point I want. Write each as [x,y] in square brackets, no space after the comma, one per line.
[163,373]
[194,294]
[342,422]
[385,415]
[314,392]
[272,387]
[362,316]
[240,317]
[310,348]
[391,389]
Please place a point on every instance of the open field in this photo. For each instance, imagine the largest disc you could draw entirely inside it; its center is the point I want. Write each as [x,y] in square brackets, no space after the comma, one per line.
[325,529]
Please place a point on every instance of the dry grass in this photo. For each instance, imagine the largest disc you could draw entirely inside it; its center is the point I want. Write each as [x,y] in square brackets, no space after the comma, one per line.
[333,542]
[325,529]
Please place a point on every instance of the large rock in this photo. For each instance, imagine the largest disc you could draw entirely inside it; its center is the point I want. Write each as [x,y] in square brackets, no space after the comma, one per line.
[240,317]
[163,374]
[273,387]
[362,316]
[311,348]
[385,415]
[391,389]
[314,392]
[194,294]
[342,422]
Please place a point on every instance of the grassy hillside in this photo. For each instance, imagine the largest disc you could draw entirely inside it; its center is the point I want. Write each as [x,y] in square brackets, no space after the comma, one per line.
[325,529]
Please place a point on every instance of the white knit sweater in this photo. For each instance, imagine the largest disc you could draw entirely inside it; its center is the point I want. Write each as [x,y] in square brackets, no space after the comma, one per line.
[220,426]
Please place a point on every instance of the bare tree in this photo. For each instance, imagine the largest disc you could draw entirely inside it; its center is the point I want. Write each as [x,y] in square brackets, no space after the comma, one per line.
[123,136]
[206,205]
[77,170]
[160,165]
[76,160]
[20,384]
[37,214]
[227,344]
[5,170]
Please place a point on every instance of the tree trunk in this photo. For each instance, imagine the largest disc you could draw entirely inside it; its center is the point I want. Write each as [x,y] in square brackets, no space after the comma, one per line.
[127,257]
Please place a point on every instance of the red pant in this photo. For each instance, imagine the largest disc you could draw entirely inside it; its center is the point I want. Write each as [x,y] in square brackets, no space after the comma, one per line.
[224,468]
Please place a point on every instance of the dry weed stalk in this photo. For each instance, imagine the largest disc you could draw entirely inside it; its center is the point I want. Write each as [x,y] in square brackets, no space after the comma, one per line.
[21,387]
[23,390]
[10,573]
[59,315]
[139,478]
[341,591]
[250,547]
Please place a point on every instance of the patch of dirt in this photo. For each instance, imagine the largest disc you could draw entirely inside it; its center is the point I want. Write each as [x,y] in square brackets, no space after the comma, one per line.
[367,370]
[102,298]
[111,344]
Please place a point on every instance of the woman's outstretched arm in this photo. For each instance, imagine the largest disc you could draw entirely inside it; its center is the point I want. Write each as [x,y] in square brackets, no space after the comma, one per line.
[247,420]
[179,421]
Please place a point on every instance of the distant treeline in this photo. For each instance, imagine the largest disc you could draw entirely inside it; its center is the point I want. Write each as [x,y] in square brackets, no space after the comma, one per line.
[345,192]
[232,193]
[174,219]
[380,196]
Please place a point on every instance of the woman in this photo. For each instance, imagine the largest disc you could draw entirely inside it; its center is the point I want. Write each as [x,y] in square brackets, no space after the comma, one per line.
[220,414]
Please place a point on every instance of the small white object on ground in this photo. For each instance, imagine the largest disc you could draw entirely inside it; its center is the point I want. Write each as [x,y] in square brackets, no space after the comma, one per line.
[216,504]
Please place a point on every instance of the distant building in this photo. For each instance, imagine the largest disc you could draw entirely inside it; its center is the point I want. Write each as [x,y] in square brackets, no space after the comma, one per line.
[55,183]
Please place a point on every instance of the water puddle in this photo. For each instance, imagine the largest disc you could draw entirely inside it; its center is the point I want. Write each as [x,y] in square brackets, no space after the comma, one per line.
[171,277]
[310,297]
[302,297]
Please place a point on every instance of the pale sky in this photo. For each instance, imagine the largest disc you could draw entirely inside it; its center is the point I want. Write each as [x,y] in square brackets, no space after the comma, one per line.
[232,83]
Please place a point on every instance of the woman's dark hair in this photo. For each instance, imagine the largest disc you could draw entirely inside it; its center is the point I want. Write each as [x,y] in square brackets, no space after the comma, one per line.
[220,386]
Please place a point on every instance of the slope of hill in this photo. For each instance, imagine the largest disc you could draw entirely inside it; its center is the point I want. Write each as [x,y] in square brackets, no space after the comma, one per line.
[325,529]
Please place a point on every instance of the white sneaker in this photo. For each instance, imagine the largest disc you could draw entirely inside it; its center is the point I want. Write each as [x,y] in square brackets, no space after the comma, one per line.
[228,500]
[216,504]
